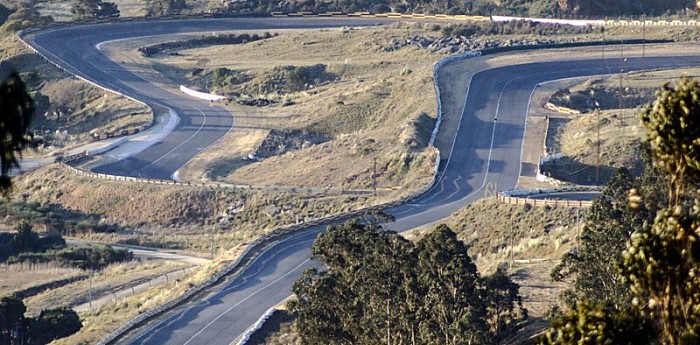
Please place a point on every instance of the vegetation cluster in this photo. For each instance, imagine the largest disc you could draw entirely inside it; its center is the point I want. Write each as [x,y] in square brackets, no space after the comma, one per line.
[28,246]
[53,218]
[49,325]
[635,272]
[540,8]
[160,48]
[380,288]
[516,27]
[94,9]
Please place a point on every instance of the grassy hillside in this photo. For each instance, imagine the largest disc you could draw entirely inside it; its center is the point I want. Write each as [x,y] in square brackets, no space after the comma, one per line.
[620,130]
[184,218]
[68,110]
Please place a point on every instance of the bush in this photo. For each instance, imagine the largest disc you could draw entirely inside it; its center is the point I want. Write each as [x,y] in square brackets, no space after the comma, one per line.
[159,48]
[53,324]
[92,257]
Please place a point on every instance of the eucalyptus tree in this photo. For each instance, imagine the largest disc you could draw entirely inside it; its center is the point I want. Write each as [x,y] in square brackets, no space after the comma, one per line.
[661,264]
[17,109]
[379,288]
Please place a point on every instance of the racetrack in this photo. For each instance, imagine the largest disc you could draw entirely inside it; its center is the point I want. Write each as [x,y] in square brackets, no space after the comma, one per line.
[487,149]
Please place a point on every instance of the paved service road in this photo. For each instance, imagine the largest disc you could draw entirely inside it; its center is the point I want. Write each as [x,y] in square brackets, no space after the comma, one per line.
[486,150]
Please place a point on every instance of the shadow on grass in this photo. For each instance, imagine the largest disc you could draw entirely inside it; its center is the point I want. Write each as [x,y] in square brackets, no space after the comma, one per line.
[224,167]
[569,170]
[275,323]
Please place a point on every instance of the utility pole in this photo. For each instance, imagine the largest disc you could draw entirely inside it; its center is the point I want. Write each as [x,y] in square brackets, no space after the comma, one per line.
[597,153]
[90,291]
[374,178]
[602,45]
[578,228]
[621,93]
[644,38]
[212,246]
[512,235]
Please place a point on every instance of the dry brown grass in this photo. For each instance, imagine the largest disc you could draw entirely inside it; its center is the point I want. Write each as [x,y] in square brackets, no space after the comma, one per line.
[16,277]
[181,217]
[98,323]
[490,230]
[112,278]
[620,130]
[169,210]
[374,99]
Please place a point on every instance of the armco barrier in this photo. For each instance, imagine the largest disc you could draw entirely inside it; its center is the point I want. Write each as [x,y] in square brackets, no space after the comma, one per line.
[436,69]
[241,262]
[20,34]
[528,192]
[514,200]
[310,191]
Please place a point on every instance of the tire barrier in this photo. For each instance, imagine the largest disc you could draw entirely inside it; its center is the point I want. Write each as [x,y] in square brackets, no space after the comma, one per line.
[494,18]
[436,69]
[258,245]
[258,324]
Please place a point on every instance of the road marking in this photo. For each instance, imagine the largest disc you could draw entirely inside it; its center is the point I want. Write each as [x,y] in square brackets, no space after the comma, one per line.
[245,299]
[257,257]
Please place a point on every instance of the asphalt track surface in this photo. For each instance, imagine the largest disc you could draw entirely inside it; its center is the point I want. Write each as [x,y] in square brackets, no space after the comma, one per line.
[486,152]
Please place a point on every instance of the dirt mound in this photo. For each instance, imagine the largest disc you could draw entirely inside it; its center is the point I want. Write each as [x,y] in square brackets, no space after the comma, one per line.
[604,97]
[278,142]
[289,79]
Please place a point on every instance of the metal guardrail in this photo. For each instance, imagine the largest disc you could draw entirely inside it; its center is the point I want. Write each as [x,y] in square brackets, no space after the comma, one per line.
[514,200]
[521,197]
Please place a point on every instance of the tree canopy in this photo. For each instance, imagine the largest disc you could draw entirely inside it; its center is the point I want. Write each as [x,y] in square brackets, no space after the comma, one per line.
[51,324]
[608,226]
[93,9]
[17,109]
[380,288]
[661,263]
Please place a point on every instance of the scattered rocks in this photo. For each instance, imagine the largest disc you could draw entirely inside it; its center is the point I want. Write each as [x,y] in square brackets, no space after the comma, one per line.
[281,141]
[257,102]
[271,210]
[459,44]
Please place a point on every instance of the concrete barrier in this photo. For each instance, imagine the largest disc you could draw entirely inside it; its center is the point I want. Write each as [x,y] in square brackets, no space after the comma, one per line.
[201,95]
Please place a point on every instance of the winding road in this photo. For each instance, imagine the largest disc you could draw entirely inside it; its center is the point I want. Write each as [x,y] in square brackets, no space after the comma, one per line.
[486,149]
